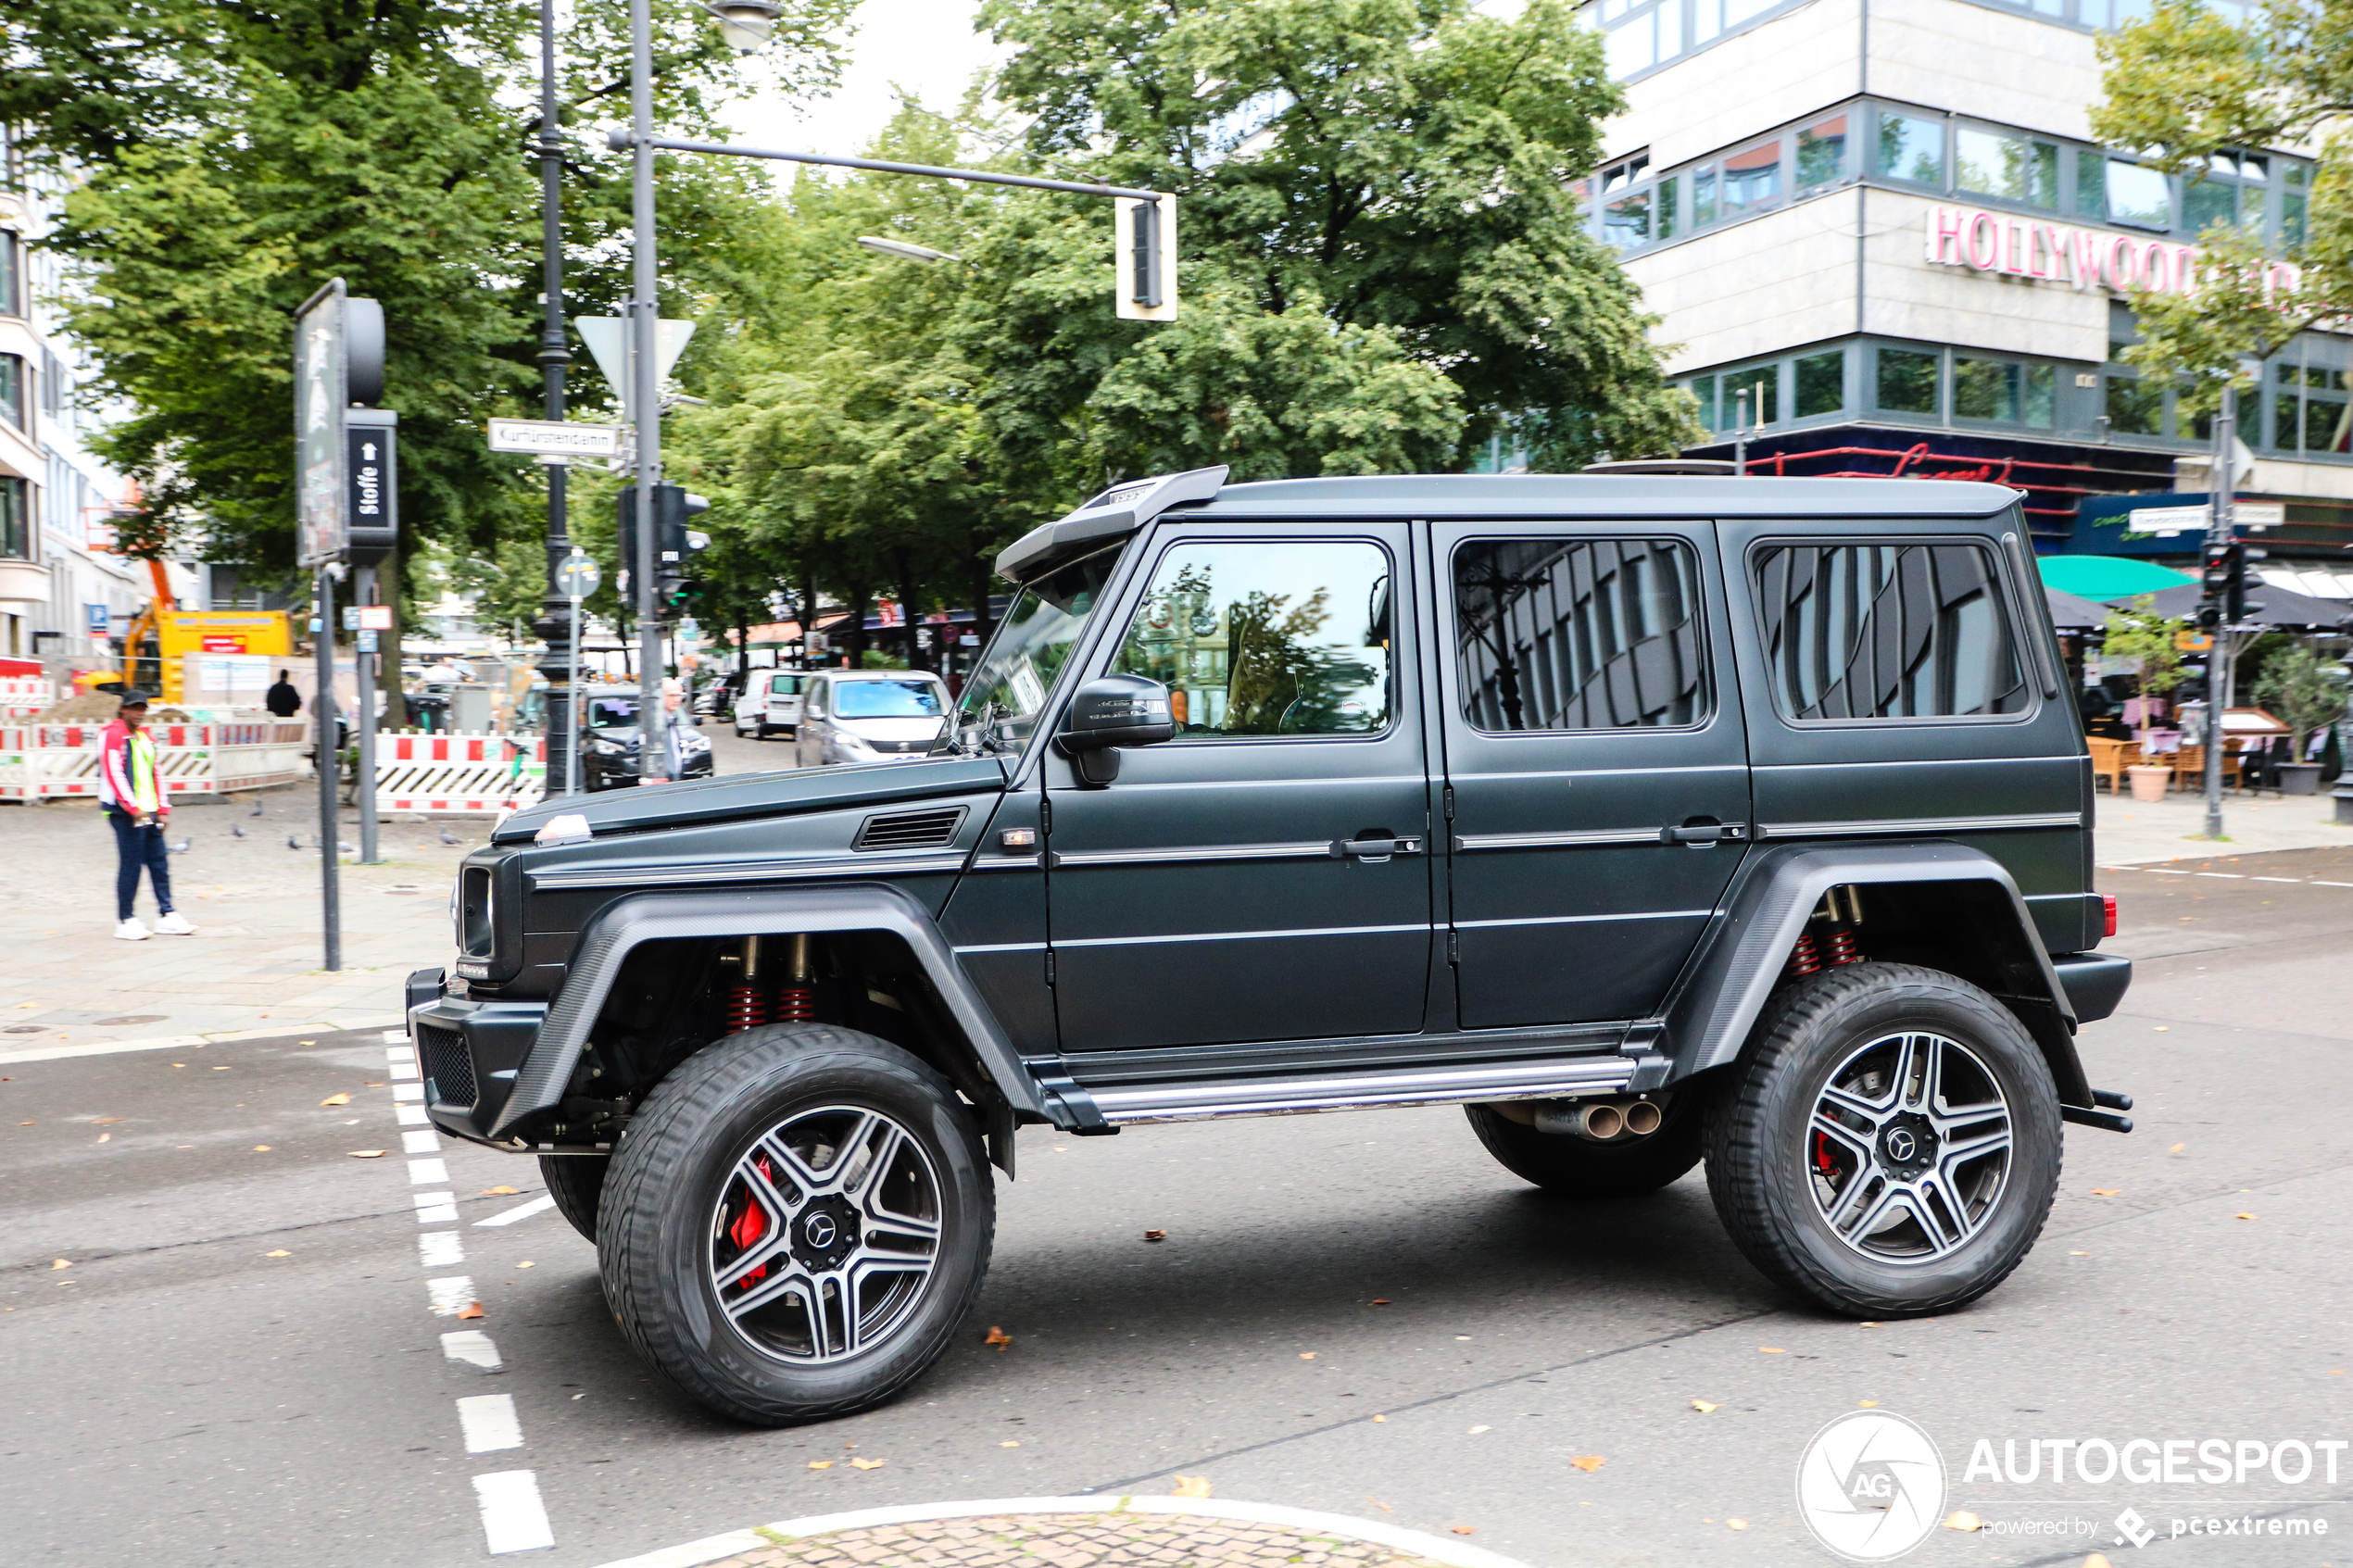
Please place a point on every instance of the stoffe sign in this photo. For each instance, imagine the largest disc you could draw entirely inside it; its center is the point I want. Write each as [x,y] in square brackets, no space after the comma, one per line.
[555,437]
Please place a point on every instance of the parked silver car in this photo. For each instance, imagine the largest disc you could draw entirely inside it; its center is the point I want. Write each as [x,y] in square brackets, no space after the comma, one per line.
[869,716]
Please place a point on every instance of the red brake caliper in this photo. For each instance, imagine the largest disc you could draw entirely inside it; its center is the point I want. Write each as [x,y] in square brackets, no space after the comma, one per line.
[1822,1154]
[752,1223]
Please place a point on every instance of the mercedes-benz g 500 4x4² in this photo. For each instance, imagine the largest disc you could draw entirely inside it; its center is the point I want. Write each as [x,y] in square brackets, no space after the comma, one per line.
[1650,820]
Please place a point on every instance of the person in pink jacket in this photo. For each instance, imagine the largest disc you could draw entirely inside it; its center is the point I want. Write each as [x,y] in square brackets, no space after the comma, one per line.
[132,798]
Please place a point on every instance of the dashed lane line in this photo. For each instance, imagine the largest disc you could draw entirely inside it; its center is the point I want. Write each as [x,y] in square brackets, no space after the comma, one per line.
[474,1347]
[450,1295]
[440,1250]
[513,1519]
[489,1423]
[539,1205]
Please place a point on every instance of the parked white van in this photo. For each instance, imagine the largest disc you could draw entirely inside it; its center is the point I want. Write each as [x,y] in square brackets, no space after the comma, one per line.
[770,704]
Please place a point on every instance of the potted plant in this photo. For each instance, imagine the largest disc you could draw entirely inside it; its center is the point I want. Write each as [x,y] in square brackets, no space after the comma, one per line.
[2152,643]
[2300,689]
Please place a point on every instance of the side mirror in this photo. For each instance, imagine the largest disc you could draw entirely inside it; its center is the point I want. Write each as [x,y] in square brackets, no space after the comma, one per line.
[1113,710]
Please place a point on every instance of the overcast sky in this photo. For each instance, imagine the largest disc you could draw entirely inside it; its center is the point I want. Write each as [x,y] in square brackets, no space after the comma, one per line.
[925,46]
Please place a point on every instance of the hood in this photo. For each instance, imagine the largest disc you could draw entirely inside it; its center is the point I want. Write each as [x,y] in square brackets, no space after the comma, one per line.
[654,807]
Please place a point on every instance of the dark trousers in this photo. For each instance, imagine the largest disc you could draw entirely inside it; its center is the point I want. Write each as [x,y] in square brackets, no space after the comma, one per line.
[136,847]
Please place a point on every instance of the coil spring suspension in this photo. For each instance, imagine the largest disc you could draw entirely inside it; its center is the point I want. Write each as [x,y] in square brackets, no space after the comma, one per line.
[747,1008]
[795,1003]
[1843,949]
[1804,958]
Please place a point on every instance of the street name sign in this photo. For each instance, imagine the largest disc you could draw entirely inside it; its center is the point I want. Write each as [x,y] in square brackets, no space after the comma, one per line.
[2166,522]
[556,438]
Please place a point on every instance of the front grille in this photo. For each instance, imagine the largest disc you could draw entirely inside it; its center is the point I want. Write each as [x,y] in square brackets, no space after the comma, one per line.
[449,1065]
[911,830]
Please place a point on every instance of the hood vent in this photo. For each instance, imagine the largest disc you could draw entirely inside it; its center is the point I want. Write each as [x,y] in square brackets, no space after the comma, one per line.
[911,830]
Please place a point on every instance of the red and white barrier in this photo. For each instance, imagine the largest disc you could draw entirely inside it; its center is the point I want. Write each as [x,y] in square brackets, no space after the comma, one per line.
[458,776]
[25,696]
[60,761]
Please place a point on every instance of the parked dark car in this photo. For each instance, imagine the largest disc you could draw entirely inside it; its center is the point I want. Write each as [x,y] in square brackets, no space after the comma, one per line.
[610,741]
[1653,820]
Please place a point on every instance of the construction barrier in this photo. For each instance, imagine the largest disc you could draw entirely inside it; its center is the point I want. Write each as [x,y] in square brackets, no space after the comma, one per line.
[60,761]
[25,696]
[458,776]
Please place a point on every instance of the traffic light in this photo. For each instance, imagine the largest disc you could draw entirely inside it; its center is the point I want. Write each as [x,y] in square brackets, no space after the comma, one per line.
[2222,596]
[675,545]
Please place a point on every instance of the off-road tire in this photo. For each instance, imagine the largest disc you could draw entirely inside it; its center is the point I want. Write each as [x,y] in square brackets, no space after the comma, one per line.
[675,1158]
[1624,1167]
[1755,1138]
[576,1181]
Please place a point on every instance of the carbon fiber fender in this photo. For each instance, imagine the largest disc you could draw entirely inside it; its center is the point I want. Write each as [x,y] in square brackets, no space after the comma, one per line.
[1960,910]
[539,1084]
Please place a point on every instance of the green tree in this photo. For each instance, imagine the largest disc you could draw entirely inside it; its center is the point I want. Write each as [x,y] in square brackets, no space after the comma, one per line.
[2150,642]
[2187,85]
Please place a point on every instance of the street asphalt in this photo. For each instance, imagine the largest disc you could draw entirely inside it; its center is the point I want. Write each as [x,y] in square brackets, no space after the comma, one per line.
[239,1364]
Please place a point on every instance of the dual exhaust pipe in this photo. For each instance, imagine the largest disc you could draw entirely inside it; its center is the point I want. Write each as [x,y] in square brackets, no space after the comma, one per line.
[1602,1121]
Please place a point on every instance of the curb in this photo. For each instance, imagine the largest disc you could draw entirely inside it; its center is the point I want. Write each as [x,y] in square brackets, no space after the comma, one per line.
[712,1549]
[172,1042]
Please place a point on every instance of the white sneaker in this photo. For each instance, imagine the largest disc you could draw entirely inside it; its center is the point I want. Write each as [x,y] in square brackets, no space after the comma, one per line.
[132,931]
[174,924]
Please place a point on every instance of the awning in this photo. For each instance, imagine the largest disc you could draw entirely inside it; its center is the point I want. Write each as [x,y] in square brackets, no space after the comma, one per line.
[2107,577]
[2266,606]
[2071,612]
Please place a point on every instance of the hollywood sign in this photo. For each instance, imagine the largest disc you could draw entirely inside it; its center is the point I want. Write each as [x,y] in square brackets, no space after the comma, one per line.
[2027,247]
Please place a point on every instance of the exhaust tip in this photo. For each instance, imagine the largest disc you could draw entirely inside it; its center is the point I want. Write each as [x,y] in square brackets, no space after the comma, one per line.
[1602,1123]
[1644,1118]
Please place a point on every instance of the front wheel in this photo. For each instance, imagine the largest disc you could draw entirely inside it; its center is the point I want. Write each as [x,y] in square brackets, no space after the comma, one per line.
[795,1223]
[1889,1143]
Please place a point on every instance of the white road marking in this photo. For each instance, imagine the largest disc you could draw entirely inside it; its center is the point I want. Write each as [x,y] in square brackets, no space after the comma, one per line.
[2227,876]
[413,1116]
[419,1143]
[436,1208]
[441,1250]
[426,1173]
[434,1199]
[409,1091]
[2297,880]
[520,1212]
[513,1519]
[472,1347]
[2163,871]
[402,1050]
[402,1069]
[397,1037]
[2317,882]
[450,1296]
[488,1420]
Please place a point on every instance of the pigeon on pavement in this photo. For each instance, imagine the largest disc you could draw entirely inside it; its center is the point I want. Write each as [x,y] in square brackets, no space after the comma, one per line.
[293,843]
[183,846]
[257,809]
[449,838]
[237,828]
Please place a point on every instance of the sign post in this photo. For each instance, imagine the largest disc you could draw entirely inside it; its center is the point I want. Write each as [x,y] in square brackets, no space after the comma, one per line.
[323,390]
[576,578]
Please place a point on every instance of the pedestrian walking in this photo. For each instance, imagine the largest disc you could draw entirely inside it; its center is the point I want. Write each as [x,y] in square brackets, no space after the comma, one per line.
[677,732]
[130,796]
[282,699]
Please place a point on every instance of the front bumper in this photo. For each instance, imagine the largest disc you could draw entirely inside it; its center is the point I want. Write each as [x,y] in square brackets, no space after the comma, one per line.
[470,1052]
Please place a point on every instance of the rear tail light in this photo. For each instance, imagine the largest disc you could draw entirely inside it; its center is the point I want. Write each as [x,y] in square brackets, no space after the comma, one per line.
[2108,914]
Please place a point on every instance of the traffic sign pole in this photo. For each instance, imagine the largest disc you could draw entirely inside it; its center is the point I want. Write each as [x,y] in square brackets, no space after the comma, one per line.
[2222,480]
[576,578]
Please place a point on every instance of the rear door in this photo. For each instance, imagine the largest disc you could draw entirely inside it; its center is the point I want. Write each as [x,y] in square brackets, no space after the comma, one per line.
[1596,767]
[784,700]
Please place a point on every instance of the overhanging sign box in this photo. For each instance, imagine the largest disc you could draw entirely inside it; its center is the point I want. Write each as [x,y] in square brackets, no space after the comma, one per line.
[555,437]
[322,392]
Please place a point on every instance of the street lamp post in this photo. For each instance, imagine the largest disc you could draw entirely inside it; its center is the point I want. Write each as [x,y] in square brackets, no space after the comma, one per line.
[2221,481]
[559,624]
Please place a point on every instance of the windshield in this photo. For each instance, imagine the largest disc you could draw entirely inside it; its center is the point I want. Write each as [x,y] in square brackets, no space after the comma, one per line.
[1031,645]
[606,711]
[887,700]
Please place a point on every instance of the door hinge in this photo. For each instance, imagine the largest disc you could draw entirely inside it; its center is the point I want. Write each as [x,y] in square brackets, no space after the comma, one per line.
[1049,966]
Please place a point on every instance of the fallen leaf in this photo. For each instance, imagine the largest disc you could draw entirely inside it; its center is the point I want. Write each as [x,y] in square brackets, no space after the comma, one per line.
[821,1465]
[179,1065]
[500,1192]
[1307,1355]
[1009,1443]
[306,1042]
[1381,1418]
[2177,1148]
[2106,1192]
[1868,1325]
[102,1121]
[1191,1487]
[282,1252]
[1476,1430]
[336,1099]
[1702,1406]
[367,1154]
[261,1149]
[1866,1404]
[868,1463]
[220,1070]
[105,1137]
[27,1124]
[2246,1216]
[1380,1301]
[1962,1519]
[1770,1350]
[1466,1529]
[61,1263]
[1588,1463]
[526,1263]
[2095,1560]
[1378,1503]
[2079,1254]
[1155,1236]
[471,1310]
[1736,1524]
[998,1337]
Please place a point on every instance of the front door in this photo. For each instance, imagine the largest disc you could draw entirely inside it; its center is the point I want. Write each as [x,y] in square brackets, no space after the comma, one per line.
[1265,875]
[1595,763]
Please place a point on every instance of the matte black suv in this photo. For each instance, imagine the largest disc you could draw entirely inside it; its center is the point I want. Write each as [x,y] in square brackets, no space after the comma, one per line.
[1650,820]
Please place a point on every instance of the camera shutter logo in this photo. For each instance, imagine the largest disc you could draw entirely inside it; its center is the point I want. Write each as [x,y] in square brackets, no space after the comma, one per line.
[1870,1485]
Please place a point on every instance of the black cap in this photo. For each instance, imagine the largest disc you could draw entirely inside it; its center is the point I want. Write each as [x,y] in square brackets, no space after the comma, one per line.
[134,697]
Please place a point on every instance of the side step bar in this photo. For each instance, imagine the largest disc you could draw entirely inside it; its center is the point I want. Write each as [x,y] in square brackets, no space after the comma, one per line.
[1358,1091]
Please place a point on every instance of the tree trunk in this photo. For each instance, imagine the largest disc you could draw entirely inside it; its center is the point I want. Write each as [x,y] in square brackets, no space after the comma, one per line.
[904,562]
[857,626]
[388,589]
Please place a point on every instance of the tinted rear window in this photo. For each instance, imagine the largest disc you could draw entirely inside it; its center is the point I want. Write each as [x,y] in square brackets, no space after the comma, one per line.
[1868,630]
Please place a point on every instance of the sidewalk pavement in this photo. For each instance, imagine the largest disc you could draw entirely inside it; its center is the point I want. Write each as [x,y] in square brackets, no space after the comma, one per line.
[2129,831]
[253,967]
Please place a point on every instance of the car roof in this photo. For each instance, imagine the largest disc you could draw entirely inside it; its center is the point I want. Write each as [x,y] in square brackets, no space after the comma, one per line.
[1603,496]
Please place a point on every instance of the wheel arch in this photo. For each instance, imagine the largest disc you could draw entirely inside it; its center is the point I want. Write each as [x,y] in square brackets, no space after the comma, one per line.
[629,923]
[1939,904]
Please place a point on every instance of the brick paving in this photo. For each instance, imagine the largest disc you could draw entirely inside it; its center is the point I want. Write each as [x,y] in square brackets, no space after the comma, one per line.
[1075,1540]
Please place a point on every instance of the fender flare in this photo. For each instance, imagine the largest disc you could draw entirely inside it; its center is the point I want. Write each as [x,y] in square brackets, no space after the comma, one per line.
[622,926]
[1716,1000]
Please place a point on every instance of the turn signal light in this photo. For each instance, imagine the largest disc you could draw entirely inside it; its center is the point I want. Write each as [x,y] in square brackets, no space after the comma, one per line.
[2108,911]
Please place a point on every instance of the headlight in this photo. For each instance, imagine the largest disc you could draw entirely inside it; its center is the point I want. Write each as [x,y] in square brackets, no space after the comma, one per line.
[604,747]
[695,741]
[850,742]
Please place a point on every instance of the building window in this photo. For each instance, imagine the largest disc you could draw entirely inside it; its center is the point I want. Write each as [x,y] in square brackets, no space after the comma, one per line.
[2140,197]
[2003,390]
[2014,168]
[2292,201]
[1821,383]
[1887,632]
[11,274]
[1579,634]
[1906,382]
[1821,155]
[1751,397]
[16,518]
[13,389]
[1911,147]
[2310,412]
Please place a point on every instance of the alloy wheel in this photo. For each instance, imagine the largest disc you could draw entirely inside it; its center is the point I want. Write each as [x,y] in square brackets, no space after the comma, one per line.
[1908,1149]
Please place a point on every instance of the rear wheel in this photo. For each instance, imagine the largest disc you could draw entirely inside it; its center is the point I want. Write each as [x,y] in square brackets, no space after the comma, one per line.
[1624,1167]
[1889,1145]
[576,1181]
[797,1221]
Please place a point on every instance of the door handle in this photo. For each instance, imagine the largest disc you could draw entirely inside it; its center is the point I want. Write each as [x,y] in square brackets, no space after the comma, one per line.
[1374,850]
[1710,832]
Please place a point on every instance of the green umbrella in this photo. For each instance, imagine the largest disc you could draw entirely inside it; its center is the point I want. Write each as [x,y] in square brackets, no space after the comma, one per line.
[2107,577]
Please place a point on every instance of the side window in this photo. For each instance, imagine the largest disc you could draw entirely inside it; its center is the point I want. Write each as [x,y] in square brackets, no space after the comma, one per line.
[1887,630]
[1273,638]
[1579,633]
[816,702]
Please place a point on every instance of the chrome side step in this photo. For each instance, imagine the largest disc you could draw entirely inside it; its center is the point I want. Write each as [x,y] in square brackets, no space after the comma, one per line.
[1359,1091]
